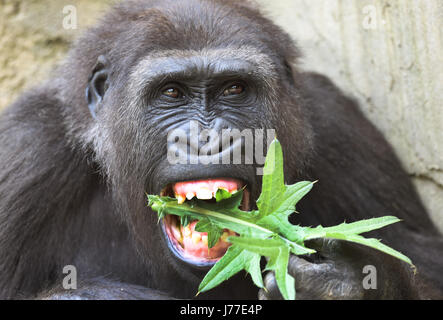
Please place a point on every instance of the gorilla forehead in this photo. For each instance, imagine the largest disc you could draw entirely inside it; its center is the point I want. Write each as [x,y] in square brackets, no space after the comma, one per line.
[205,63]
[194,25]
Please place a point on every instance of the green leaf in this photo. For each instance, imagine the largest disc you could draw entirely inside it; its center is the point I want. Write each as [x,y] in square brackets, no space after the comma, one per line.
[277,250]
[184,220]
[266,232]
[373,243]
[214,232]
[273,185]
[234,260]
[222,194]
[284,281]
[254,270]
[231,202]
[350,228]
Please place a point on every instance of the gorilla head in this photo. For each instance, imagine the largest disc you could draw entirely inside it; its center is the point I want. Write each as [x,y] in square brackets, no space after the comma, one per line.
[160,66]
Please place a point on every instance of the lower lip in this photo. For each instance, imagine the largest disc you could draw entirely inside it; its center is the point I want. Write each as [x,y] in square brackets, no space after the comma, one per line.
[174,247]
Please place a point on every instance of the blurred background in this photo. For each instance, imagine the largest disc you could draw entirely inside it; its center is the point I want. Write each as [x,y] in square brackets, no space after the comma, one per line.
[388,54]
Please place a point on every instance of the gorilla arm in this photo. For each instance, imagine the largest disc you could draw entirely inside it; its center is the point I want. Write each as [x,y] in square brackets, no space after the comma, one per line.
[104,289]
[53,211]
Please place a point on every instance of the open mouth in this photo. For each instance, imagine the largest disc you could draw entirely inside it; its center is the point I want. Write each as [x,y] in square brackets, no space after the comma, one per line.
[186,243]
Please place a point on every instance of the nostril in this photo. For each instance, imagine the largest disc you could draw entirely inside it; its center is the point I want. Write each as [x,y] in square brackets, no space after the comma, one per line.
[218,143]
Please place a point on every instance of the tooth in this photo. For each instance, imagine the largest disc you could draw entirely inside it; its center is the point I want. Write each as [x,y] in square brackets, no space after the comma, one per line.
[233,191]
[176,232]
[204,193]
[205,240]
[187,231]
[190,195]
[180,198]
[196,238]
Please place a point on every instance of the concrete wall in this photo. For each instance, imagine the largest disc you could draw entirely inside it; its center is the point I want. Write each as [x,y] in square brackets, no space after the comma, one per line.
[386,53]
[32,39]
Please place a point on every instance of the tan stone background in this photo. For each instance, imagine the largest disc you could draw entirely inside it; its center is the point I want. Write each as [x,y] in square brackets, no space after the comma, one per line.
[386,53]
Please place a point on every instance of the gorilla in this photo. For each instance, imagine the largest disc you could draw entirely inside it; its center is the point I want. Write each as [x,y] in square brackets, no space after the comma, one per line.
[80,151]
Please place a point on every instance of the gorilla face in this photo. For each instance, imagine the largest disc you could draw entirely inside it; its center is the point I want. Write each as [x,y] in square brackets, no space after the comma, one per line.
[187,81]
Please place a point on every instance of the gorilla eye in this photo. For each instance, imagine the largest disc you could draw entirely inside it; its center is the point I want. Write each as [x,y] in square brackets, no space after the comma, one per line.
[233,90]
[172,93]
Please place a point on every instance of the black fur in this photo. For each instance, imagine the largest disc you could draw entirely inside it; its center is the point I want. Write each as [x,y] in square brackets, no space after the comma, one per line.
[72,186]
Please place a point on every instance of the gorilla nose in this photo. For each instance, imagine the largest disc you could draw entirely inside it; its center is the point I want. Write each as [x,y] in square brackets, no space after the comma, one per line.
[200,144]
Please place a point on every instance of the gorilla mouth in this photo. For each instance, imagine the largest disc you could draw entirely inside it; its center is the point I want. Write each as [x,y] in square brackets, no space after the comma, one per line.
[187,244]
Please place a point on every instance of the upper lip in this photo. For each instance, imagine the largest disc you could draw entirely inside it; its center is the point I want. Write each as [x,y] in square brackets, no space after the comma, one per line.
[166,173]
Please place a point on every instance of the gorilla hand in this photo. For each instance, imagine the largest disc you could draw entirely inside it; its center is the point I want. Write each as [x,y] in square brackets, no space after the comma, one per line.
[337,273]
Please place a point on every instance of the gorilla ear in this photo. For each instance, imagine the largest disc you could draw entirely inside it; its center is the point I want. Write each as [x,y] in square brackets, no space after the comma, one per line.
[97,85]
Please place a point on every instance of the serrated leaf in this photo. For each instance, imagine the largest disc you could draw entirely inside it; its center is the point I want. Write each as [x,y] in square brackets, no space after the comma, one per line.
[265,247]
[184,220]
[373,243]
[350,228]
[254,270]
[277,250]
[234,260]
[273,184]
[214,232]
[293,194]
[284,281]
[231,202]
[266,232]
[222,194]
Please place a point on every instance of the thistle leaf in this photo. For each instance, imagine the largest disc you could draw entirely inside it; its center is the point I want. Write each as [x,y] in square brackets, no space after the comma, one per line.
[267,231]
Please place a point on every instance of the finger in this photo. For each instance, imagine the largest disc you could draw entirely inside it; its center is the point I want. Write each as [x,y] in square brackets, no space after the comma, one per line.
[272,292]
[296,265]
[336,250]
[262,295]
[327,248]
[306,273]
